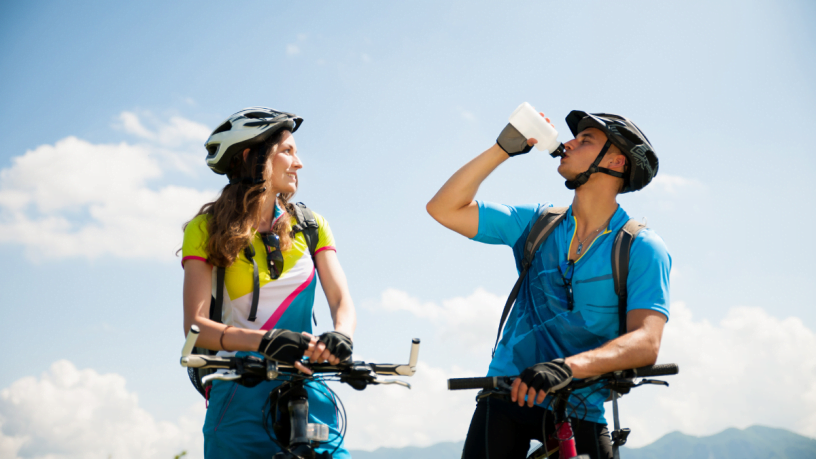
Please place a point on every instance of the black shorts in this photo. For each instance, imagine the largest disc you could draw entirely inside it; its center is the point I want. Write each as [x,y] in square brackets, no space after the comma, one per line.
[503,430]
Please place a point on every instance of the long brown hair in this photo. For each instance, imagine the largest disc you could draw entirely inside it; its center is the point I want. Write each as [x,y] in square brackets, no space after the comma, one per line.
[239,205]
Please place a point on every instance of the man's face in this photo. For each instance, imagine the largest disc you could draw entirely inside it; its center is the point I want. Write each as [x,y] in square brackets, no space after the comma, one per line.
[580,152]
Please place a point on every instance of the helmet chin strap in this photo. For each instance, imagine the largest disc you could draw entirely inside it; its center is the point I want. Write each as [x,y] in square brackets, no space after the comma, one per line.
[584,176]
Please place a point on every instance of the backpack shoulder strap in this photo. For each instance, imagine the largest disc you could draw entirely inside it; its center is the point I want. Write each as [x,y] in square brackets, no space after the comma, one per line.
[620,266]
[217,302]
[544,225]
[306,224]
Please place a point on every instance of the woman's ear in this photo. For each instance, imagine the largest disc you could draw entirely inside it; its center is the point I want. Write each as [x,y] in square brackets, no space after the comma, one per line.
[245,153]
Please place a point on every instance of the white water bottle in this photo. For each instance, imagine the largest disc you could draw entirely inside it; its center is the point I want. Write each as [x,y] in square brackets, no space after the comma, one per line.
[533,126]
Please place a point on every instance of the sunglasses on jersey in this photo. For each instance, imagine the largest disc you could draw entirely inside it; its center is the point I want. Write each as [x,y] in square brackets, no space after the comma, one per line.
[569,268]
[274,256]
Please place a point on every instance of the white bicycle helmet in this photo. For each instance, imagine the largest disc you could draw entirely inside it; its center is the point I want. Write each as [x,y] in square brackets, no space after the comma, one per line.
[244,129]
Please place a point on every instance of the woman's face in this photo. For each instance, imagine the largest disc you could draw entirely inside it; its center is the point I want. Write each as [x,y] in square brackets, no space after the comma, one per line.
[284,165]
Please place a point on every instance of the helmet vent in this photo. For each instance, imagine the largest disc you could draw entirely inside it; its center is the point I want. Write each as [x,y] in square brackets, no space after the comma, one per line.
[260,114]
[224,127]
[630,136]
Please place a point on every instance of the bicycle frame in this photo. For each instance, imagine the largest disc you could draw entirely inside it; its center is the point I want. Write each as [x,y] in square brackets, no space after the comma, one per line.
[564,437]
[563,430]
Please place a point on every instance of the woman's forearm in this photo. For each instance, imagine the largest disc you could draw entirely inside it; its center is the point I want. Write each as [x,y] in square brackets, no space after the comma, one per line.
[335,286]
[344,317]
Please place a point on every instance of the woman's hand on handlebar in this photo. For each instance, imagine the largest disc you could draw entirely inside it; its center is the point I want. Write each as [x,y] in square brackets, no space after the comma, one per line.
[317,353]
[290,347]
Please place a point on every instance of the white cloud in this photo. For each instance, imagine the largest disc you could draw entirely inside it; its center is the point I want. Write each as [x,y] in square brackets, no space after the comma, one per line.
[465,322]
[72,414]
[173,133]
[133,125]
[467,115]
[393,416]
[75,198]
[749,369]
[674,184]
[292,49]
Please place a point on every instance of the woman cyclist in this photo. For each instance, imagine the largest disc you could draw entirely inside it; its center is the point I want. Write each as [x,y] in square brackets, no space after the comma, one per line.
[268,284]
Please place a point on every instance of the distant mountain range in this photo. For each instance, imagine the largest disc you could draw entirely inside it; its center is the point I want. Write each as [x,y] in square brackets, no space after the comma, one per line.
[754,442]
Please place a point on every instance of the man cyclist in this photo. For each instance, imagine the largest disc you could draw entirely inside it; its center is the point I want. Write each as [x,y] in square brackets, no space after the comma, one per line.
[565,320]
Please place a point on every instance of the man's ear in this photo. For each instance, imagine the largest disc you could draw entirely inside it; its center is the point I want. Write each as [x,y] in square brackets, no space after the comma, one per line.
[245,153]
[617,161]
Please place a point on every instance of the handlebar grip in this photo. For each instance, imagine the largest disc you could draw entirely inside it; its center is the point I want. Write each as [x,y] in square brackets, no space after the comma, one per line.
[664,369]
[487,382]
[189,343]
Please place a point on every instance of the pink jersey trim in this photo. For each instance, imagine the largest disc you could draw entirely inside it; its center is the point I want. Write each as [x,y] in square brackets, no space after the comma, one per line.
[270,324]
[192,257]
[328,247]
[276,219]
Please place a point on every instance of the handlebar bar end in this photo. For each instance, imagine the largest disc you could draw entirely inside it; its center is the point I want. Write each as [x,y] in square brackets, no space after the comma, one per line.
[189,343]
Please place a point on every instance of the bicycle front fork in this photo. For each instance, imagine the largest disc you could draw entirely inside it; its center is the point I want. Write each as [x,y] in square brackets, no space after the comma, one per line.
[301,431]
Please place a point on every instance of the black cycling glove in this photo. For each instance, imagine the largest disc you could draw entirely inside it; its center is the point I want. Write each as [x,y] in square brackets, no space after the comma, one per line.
[547,376]
[512,142]
[283,346]
[338,344]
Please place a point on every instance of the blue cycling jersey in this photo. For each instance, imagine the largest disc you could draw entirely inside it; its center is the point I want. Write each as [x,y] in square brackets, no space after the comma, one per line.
[540,327]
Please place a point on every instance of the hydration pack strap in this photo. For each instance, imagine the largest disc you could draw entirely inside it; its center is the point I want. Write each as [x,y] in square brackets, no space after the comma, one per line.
[620,266]
[218,301]
[306,224]
[249,252]
[544,225]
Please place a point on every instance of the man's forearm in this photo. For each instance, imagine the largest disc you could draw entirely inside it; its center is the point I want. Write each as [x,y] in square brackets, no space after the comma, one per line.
[458,192]
[632,350]
[461,188]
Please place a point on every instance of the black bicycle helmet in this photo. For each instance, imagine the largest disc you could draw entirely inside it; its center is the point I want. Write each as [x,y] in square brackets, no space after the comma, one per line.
[625,135]
[244,129]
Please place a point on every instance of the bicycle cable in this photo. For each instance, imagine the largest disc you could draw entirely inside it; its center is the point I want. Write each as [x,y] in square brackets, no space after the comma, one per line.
[340,409]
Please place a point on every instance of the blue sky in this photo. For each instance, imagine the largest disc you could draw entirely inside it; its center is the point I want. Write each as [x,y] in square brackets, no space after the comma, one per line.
[104,106]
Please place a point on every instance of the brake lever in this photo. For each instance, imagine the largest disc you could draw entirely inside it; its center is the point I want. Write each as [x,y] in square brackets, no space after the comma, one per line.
[390,381]
[228,376]
[656,382]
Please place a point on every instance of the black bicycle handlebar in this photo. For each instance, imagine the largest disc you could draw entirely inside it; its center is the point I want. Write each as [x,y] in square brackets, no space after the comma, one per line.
[663,369]
[360,372]
[492,382]
[487,382]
